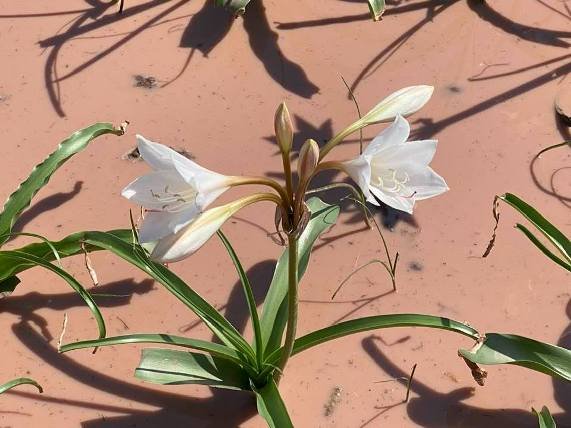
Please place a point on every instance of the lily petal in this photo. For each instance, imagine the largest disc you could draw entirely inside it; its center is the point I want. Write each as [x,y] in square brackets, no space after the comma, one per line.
[158,156]
[144,190]
[396,133]
[189,239]
[158,224]
[394,201]
[405,101]
[359,170]
[210,184]
[425,183]
[414,152]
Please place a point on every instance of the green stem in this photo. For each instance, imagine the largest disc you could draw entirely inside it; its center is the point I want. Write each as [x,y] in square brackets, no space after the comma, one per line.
[240,181]
[339,137]
[292,305]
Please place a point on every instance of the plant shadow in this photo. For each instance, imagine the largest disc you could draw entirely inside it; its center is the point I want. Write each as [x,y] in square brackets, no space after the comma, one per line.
[118,293]
[205,30]
[44,205]
[223,408]
[433,409]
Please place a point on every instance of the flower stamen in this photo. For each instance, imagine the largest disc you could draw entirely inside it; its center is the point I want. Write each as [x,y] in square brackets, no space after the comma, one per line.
[175,201]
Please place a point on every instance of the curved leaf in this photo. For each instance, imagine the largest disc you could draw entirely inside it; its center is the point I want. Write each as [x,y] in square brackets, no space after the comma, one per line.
[215,349]
[552,233]
[544,418]
[522,351]
[271,406]
[40,175]
[171,367]
[69,246]
[135,254]
[20,257]
[20,381]
[249,294]
[274,314]
[373,323]
[543,248]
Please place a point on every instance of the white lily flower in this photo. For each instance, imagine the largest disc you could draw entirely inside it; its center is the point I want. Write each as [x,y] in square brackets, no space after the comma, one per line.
[189,239]
[396,171]
[404,102]
[175,192]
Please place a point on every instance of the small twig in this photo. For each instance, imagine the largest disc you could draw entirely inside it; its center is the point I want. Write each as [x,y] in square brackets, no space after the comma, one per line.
[357,193]
[409,383]
[358,112]
[125,326]
[357,270]
[89,266]
[393,265]
[496,215]
[486,66]
[403,379]
[63,328]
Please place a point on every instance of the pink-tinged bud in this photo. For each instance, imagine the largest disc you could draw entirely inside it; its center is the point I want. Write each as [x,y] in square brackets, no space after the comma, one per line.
[283,128]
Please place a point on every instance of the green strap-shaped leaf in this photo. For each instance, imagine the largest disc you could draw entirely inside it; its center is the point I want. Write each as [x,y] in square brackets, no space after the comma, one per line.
[271,406]
[544,418]
[249,295]
[377,8]
[274,314]
[543,248]
[20,381]
[359,325]
[18,257]
[215,349]
[552,233]
[134,254]
[522,351]
[171,367]
[40,175]
[120,242]
[69,246]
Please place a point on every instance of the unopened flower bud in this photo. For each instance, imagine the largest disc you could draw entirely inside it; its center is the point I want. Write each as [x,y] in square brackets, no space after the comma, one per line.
[308,159]
[283,128]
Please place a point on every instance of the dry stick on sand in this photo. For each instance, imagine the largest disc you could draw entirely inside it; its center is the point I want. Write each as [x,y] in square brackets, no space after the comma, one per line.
[403,378]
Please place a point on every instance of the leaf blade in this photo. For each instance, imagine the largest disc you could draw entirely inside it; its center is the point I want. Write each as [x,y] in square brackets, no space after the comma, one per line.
[134,254]
[20,381]
[552,233]
[249,294]
[377,8]
[37,261]
[21,198]
[522,351]
[215,349]
[544,418]
[272,407]
[360,325]
[172,367]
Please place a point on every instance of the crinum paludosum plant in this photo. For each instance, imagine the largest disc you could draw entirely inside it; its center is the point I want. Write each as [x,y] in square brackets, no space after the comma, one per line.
[177,195]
